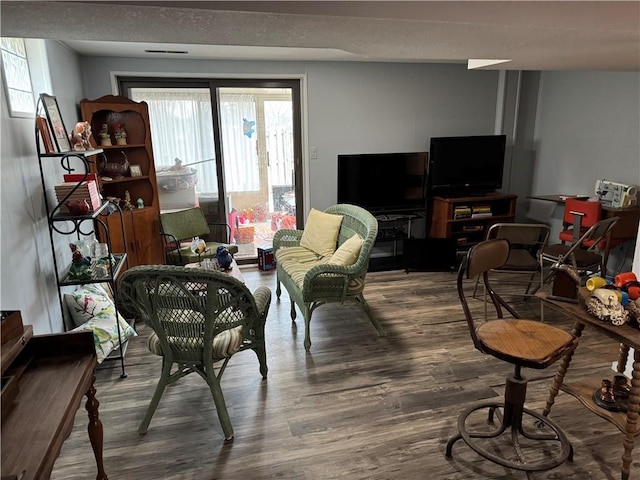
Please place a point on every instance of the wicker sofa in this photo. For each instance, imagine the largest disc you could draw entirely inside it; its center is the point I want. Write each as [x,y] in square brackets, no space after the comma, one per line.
[312,280]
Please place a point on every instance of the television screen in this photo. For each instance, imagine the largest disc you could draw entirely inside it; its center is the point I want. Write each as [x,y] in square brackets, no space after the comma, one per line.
[466,165]
[383,181]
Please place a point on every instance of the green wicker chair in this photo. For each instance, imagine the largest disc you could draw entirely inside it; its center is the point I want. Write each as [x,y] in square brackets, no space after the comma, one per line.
[181,226]
[312,283]
[198,317]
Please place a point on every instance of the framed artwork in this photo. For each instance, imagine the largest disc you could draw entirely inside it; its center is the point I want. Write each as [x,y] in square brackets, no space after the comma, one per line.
[58,130]
[135,170]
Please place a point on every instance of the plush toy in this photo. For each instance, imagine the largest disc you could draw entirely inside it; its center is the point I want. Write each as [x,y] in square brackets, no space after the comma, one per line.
[223,257]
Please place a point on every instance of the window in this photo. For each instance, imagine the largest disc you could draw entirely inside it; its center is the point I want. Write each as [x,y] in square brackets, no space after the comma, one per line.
[182,128]
[17,81]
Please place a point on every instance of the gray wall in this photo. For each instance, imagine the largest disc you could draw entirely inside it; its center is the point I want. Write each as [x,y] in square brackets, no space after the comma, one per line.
[588,128]
[28,281]
[352,107]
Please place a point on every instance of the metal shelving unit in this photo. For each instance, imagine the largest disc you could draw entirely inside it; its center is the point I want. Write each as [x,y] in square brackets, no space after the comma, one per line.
[80,226]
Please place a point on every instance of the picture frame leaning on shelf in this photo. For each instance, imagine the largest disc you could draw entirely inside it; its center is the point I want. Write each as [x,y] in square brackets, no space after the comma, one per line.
[54,117]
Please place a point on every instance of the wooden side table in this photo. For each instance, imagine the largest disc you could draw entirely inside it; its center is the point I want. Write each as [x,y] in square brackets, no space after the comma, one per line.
[627,337]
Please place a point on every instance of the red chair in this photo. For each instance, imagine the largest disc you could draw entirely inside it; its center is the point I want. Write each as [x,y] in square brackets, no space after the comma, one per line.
[579,216]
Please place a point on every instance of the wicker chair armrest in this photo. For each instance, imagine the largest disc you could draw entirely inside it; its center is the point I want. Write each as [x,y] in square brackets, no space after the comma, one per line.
[346,272]
[262,296]
[287,238]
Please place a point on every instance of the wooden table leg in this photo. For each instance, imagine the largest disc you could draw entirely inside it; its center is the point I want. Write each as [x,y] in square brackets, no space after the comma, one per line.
[632,416]
[578,327]
[622,358]
[95,429]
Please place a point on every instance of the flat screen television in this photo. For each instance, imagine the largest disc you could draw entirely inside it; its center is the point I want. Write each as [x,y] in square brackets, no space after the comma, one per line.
[383,182]
[460,166]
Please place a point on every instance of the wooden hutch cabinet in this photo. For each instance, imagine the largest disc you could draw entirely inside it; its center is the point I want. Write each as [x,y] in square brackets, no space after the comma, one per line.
[110,115]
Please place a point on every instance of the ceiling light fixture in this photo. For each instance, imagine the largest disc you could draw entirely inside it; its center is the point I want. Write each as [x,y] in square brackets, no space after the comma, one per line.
[483,62]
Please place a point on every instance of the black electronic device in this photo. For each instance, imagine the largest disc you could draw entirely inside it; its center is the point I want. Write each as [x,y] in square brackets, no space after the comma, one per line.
[465,166]
[383,182]
[430,254]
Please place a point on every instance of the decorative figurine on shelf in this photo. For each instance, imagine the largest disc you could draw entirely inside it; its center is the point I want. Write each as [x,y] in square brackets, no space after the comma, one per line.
[114,203]
[115,170]
[633,307]
[78,207]
[105,138]
[80,265]
[613,395]
[140,202]
[223,257]
[120,134]
[79,137]
[126,203]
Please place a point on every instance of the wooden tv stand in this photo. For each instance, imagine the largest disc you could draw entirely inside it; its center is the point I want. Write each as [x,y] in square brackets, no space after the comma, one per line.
[467,219]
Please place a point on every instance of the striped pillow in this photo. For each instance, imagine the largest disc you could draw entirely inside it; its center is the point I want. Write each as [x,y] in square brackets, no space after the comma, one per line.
[225,344]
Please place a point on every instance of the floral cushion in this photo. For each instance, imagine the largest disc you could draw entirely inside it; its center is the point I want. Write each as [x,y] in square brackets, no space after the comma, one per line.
[225,344]
[92,309]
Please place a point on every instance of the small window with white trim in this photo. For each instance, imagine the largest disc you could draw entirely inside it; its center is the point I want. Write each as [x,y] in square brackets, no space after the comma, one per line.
[16,77]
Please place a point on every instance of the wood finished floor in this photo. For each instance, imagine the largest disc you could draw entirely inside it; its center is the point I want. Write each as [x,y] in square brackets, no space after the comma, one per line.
[357,407]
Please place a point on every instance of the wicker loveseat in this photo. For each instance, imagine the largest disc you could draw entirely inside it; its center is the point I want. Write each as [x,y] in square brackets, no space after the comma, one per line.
[312,280]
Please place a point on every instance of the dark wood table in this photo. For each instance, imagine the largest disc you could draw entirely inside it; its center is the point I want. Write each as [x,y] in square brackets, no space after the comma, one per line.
[52,374]
[628,337]
[625,229]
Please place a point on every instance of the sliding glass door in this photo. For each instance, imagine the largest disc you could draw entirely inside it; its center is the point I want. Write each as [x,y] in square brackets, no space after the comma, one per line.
[233,147]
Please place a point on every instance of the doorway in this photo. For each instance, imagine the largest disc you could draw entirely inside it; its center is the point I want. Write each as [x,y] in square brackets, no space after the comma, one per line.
[239,142]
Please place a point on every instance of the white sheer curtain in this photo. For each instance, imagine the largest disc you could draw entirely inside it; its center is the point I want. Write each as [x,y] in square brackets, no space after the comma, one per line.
[239,141]
[182,127]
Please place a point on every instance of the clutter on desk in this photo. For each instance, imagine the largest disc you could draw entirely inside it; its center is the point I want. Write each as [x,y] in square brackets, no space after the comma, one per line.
[616,195]
[616,302]
[566,282]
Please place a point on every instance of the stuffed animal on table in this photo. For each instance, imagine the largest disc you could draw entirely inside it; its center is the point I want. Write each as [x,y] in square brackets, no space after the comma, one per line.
[223,257]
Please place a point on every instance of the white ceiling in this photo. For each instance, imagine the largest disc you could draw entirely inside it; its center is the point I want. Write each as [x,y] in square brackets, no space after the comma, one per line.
[531,35]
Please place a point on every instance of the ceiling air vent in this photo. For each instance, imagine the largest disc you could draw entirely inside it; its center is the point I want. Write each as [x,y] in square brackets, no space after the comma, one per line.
[181,52]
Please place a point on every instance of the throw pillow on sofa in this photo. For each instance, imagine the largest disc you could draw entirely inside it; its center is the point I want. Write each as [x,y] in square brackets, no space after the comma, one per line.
[321,232]
[347,254]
